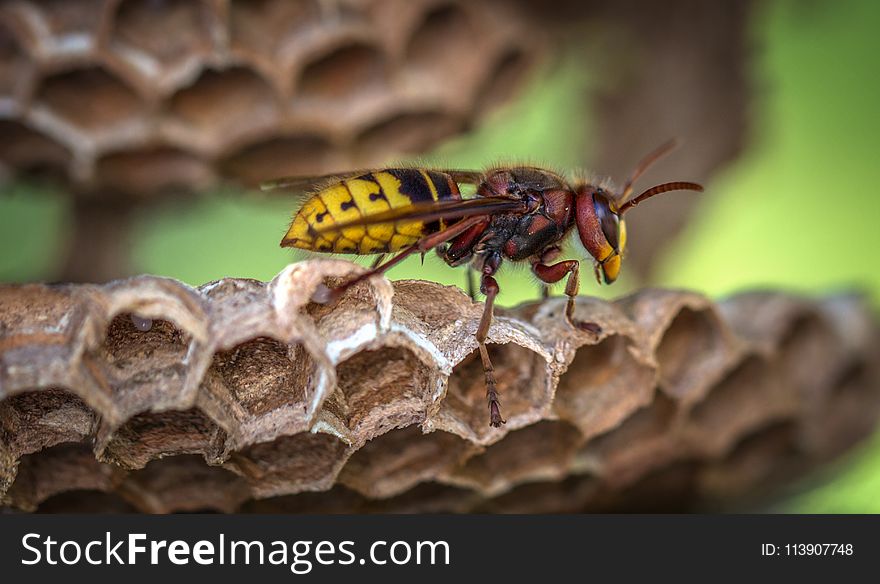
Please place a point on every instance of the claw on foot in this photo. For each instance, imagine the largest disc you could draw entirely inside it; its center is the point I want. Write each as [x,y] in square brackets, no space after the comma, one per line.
[495,419]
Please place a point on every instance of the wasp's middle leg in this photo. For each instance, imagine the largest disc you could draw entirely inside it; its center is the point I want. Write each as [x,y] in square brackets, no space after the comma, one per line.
[551,274]
[489,287]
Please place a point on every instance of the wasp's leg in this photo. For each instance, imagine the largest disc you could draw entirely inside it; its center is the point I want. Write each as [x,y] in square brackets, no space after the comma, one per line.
[326,295]
[547,256]
[555,272]
[378,261]
[489,287]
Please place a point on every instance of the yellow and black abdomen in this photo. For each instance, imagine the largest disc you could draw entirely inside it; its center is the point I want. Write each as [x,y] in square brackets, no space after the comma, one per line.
[365,195]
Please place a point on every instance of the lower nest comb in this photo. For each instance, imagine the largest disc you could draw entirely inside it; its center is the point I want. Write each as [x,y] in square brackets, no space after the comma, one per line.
[148,395]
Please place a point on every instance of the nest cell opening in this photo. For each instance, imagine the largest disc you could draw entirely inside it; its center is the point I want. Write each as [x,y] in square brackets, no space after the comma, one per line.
[337,500]
[265,26]
[384,389]
[444,37]
[642,442]
[32,152]
[748,397]
[226,103]
[39,419]
[522,378]
[138,362]
[542,451]
[346,73]
[569,495]
[152,171]
[689,347]
[168,31]
[602,386]
[88,501]
[281,156]
[149,436]
[264,374]
[89,98]
[809,352]
[290,464]
[407,133]
[394,462]
[184,484]
[64,467]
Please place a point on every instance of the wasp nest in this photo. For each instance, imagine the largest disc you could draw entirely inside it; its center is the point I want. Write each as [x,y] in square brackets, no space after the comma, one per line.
[147,394]
[137,97]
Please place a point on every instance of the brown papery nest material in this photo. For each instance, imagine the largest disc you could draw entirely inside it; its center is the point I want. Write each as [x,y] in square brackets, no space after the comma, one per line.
[146,394]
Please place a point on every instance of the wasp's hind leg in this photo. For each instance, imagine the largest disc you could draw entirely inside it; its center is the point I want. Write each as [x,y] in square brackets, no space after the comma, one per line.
[330,295]
[550,274]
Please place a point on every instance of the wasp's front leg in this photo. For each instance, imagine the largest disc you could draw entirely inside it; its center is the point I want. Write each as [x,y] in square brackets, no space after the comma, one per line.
[550,274]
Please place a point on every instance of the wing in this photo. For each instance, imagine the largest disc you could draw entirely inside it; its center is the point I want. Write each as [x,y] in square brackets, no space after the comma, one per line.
[434,211]
[304,184]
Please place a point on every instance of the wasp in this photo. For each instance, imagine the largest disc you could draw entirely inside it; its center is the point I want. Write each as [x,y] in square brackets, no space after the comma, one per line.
[518,213]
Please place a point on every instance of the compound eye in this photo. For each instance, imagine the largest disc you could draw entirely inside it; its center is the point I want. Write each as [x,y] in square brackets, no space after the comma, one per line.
[608,220]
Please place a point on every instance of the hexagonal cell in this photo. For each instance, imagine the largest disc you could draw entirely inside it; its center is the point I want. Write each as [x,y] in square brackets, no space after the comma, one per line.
[72,26]
[86,501]
[138,360]
[264,374]
[344,73]
[643,442]
[290,464]
[184,484]
[750,396]
[407,133]
[445,36]
[225,104]
[16,67]
[152,171]
[396,461]
[385,388]
[64,467]
[536,453]
[35,420]
[32,152]
[691,354]
[522,378]
[504,79]
[668,489]
[282,156]
[149,436]
[89,98]
[264,27]
[602,386]
[165,34]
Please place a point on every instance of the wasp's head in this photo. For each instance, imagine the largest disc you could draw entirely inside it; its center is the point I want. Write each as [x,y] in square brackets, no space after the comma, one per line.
[602,230]
[599,214]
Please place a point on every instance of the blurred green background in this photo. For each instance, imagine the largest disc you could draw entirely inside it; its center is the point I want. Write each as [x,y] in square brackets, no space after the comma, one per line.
[798,210]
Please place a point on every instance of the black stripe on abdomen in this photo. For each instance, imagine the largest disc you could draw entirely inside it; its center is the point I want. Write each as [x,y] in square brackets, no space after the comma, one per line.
[416,188]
